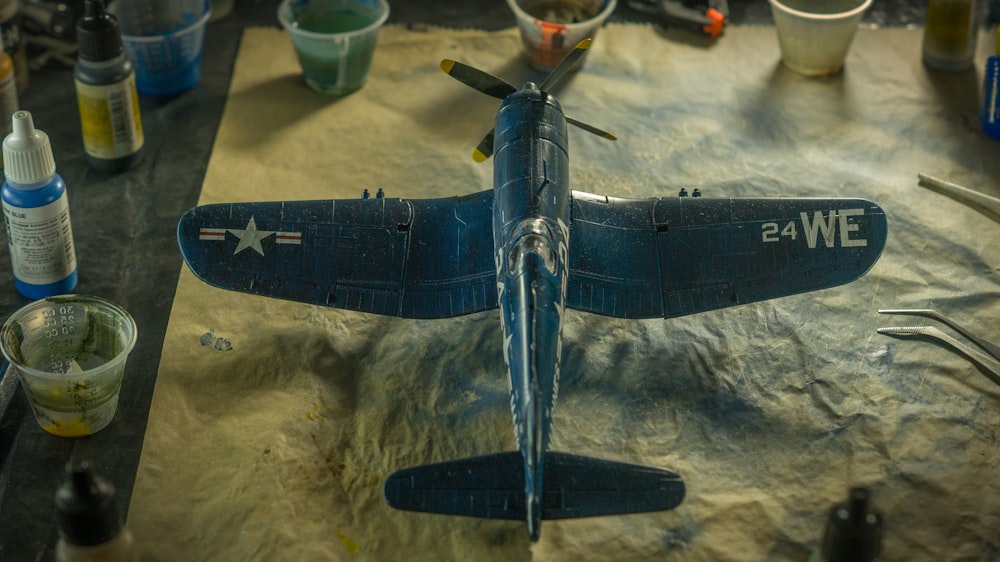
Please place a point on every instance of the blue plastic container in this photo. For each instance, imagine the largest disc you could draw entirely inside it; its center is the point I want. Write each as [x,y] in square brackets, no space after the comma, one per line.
[991,93]
[163,40]
[991,97]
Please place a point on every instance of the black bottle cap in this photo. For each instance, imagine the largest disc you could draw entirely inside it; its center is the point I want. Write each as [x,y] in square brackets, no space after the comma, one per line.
[853,532]
[97,33]
[85,508]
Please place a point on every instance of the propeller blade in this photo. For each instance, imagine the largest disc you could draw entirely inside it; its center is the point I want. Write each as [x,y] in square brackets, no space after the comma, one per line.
[500,89]
[591,129]
[485,148]
[477,79]
[567,63]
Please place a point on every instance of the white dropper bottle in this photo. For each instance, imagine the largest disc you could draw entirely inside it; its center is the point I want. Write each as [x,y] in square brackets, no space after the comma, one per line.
[36,212]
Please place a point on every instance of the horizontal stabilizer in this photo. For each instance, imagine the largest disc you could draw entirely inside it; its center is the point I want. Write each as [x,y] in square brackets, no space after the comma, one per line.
[578,486]
[492,486]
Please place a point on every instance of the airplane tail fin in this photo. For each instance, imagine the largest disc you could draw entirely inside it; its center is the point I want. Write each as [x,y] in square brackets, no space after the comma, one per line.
[492,486]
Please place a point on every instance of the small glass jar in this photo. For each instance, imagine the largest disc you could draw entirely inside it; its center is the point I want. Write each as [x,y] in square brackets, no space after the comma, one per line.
[950,34]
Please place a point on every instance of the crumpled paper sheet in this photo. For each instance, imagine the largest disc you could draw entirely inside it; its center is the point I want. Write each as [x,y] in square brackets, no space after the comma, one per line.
[274,424]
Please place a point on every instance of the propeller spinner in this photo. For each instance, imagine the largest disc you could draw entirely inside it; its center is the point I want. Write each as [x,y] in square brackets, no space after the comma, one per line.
[500,89]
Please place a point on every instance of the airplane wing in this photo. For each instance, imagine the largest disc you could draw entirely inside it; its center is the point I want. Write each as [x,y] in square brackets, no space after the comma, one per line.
[668,257]
[428,258]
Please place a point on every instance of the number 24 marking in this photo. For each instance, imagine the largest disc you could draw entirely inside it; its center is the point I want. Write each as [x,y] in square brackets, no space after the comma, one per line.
[770,231]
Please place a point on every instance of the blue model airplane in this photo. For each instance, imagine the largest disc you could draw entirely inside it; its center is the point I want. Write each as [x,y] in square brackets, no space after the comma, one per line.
[531,247]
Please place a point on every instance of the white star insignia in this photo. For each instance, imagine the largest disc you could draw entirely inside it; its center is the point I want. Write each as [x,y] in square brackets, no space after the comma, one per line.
[250,237]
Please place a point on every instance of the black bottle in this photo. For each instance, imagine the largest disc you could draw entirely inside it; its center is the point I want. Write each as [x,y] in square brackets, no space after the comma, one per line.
[106,94]
[89,528]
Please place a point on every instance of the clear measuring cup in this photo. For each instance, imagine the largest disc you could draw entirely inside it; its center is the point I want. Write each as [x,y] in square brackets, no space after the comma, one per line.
[69,353]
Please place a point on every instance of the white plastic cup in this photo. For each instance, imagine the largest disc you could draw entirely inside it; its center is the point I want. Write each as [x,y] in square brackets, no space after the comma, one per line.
[815,35]
[69,353]
[550,30]
[334,40]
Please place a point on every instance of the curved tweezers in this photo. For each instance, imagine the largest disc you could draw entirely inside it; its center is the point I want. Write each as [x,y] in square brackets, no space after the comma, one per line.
[989,361]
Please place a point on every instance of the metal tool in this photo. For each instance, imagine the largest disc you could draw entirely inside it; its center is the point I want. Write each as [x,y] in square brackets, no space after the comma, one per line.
[701,17]
[989,361]
[962,194]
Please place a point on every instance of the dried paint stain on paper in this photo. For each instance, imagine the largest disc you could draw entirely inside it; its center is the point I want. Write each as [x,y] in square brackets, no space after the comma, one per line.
[220,344]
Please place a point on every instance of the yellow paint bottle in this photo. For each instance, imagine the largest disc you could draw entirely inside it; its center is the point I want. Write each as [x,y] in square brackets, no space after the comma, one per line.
[106,93]
[950,34]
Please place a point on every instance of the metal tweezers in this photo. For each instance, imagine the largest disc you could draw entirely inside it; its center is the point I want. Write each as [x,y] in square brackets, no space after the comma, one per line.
[989,361]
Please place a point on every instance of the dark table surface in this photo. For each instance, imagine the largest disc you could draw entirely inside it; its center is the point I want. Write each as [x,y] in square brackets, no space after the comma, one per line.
[139,209]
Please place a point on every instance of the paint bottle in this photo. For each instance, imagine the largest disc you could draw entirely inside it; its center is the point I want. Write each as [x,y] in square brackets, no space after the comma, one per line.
[853,531]
[990,115]
[106,94]
[950,34]
[36,213]
[8,95]
[89,527]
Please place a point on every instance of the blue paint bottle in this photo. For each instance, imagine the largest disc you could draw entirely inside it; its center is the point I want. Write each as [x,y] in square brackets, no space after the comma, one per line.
[36,213]
[991,94]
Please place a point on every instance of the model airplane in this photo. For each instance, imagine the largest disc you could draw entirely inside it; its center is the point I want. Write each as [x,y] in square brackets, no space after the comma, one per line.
[531,247]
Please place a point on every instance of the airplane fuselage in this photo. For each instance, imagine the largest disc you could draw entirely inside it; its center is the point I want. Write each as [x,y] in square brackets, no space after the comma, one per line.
[530,214]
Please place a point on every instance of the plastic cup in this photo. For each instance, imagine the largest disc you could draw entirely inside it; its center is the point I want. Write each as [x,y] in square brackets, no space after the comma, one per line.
[69,353]
[334,40]
[551,28]
[163,39]
[815,35]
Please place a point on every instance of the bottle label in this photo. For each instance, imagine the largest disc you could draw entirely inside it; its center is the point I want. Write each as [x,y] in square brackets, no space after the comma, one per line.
[41,242]
[109,117]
